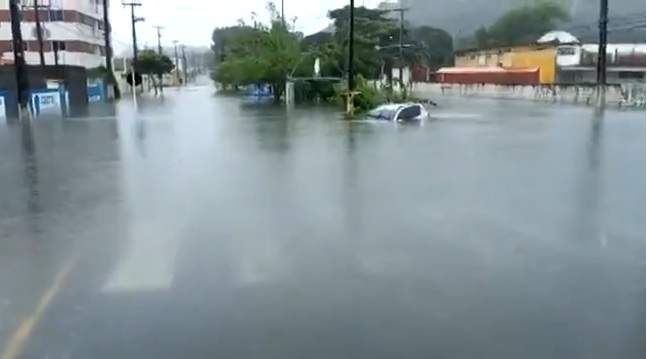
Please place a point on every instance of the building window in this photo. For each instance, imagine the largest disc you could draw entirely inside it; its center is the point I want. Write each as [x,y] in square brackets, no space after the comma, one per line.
[59,46]
[55,15]
[566,50]
[87,20]
[631,75]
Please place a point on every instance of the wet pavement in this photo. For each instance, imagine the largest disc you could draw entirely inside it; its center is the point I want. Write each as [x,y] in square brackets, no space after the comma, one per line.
[206,228]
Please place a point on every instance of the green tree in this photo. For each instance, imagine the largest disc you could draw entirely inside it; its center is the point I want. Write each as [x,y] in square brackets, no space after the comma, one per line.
[373,30]
[482,37]
[254,55]
[257,54]
[149,62]
[434,45]
[219,40]
[522,25]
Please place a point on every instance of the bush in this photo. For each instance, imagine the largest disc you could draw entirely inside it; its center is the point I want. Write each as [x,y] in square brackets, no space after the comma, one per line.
[367,96]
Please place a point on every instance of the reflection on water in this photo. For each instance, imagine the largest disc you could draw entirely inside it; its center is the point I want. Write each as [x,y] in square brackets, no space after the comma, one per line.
[30,163]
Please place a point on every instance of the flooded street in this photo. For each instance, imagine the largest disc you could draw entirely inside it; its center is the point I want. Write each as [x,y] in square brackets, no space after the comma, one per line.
[205,228]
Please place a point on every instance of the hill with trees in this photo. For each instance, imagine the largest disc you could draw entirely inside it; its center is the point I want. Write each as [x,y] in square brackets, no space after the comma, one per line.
[461,18]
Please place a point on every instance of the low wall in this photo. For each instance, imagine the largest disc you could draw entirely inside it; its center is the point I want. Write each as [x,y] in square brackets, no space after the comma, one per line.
[630,95]
[52,99]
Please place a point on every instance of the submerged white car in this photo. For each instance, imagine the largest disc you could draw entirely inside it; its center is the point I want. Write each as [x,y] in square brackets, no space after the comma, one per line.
[400,112]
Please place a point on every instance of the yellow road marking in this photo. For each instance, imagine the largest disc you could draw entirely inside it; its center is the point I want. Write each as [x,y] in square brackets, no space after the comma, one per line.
[22,333]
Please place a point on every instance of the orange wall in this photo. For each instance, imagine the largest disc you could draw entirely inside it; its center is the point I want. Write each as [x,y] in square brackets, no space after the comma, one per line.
[544,59]
[515,57]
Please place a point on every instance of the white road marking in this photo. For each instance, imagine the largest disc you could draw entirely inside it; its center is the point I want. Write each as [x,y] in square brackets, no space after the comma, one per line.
[148,262]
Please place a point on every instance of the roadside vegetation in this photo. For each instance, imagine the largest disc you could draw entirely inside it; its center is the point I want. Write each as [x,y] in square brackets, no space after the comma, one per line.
[255,52]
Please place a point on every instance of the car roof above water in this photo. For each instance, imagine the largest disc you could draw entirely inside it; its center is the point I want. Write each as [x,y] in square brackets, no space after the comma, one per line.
[395,106]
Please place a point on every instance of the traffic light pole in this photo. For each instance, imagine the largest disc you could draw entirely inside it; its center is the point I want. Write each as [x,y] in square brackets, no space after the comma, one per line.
[22,82]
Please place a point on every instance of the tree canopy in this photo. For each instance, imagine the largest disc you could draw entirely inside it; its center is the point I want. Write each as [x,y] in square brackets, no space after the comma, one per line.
[150,62]
[256,54]
[520,26]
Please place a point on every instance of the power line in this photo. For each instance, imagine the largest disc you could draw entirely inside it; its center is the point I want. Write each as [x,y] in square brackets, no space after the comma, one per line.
[616,18]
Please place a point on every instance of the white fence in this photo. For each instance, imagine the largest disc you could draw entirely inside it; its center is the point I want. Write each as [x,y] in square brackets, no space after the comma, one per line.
[629,95]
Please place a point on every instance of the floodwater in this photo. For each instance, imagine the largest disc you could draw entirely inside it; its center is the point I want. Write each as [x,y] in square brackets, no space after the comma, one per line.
[202,227]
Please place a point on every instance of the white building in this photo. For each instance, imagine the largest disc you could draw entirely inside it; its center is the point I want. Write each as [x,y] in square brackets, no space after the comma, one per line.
[72,32]
[577,63]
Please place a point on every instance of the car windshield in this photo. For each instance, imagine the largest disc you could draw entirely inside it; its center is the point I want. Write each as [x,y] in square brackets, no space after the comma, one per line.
[382,113]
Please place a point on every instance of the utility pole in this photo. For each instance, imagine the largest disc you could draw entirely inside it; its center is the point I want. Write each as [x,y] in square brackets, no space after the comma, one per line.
[177,62]
[22,82]
[351,46]
[283,12]
[159,38]
[184,69]
[401,45]
[133,21]
[39,33]
[159,51]
[351,55]
[107,30]
[602,48]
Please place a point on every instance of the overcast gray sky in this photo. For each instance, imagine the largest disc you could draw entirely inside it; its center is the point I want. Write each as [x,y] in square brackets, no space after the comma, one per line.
[192,21]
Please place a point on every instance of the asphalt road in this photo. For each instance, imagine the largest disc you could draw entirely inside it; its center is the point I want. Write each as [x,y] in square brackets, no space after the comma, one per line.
[202,227]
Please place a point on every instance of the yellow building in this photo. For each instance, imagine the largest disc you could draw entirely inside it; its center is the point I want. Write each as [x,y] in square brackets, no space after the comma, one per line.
[541,56]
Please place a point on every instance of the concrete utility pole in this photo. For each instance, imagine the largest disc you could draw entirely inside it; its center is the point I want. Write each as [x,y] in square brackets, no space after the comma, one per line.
[133,21]
[184,69]
[602,49]
[351,55]
[401,45]
[160,77]
[177,62]
[107,44]
[351,46]
[159,38]
[39,33]
[22,82]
